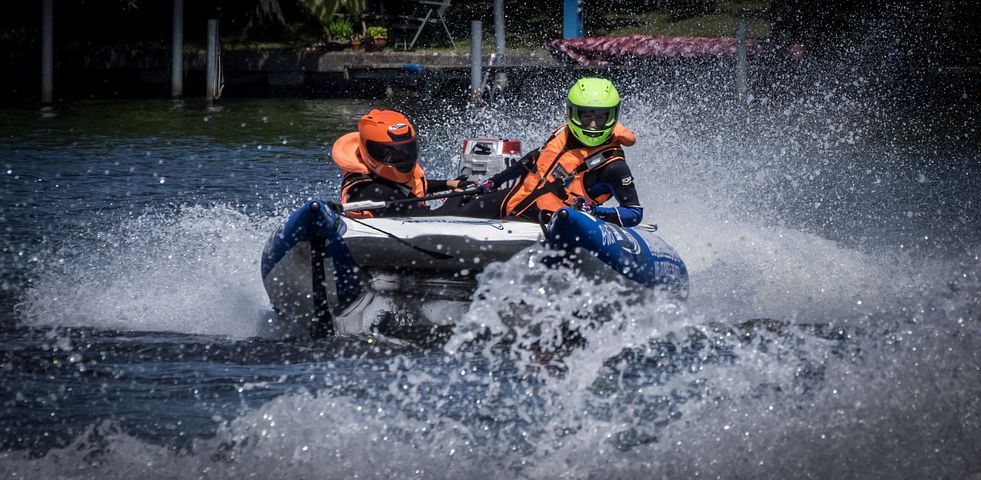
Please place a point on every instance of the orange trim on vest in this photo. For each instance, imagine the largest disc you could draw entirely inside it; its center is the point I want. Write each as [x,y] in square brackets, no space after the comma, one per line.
[347,156]
[554,162]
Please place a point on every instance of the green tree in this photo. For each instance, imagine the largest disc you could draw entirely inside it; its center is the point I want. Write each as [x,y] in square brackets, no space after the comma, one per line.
[324,10]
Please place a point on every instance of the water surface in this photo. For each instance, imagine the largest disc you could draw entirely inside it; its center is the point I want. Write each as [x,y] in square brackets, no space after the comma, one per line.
[832,329]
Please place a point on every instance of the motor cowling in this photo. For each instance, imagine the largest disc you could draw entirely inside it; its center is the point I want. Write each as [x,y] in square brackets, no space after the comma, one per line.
[484,157]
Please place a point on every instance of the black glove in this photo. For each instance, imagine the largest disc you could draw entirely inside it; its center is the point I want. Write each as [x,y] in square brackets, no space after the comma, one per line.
[583,204]
[463,183]
[335,207]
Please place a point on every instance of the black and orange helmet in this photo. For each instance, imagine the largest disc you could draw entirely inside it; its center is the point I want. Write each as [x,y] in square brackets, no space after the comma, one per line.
[388,144]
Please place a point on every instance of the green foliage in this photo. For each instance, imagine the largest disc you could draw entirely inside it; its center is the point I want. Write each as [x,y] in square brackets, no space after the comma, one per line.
[322,10]
[339,29]
[325,10]
[375,31]
[354,7]
[18,36]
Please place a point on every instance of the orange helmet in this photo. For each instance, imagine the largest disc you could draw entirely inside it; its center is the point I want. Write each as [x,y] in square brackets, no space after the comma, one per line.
[388,144]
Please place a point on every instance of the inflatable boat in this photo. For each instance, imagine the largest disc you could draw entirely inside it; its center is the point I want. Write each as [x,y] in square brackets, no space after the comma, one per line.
[328,274]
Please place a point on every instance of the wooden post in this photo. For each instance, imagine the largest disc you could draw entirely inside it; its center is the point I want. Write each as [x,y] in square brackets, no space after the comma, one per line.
[500,77]
[212,70]
[475,50]
[499,27]
[47,52]
[177,52]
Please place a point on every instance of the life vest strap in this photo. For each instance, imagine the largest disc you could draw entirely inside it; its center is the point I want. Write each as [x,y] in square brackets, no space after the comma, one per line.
[557,185]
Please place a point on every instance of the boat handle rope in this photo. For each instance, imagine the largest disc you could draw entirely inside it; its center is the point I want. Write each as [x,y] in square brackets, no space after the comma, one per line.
[371,205]
[434,254]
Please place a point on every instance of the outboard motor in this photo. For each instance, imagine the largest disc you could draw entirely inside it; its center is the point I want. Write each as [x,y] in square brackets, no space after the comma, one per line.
[484,157]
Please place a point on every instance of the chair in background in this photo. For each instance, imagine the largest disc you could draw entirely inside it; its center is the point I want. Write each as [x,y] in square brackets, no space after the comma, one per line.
[435,13]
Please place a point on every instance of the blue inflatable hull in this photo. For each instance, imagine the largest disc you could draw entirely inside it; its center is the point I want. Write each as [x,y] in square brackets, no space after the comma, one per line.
[637,254]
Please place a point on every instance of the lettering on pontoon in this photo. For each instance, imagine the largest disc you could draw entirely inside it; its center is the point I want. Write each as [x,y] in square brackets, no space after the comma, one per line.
[661,249]
[627,241]
[666,270]
[609,235]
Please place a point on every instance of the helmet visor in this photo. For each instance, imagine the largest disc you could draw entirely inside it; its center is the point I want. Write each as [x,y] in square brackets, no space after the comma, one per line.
[402,156]
[593,118]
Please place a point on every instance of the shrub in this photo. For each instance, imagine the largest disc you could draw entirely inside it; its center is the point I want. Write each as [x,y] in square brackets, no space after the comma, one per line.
[376,32]
[339,29]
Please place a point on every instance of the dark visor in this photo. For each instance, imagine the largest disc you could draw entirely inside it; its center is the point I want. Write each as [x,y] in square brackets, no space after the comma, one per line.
[593,118]
[402,156]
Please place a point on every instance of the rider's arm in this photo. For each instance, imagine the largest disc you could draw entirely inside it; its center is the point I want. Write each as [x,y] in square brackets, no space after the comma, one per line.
[517,169]
[380,191]
[458,183]
[616,178]
[434,186]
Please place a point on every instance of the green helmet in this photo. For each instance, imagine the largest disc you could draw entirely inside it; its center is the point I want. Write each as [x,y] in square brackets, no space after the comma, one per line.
[593,109]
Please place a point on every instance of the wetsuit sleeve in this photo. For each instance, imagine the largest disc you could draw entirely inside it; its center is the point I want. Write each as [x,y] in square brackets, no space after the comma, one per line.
[435,186]
[379,191]
[375,191]
[526,164]
[616,178]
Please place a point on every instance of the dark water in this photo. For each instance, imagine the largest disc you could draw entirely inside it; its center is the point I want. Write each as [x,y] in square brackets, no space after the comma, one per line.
[832,331]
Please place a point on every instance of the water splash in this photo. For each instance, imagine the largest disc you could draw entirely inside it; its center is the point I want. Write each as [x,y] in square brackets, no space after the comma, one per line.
[194,270]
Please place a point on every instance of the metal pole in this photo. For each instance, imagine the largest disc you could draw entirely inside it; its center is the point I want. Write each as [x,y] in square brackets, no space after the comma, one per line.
[500,78]
[475,49]
[47,52]
[177,52]
[212,71]
[571,19]
[499,26]
[741,60]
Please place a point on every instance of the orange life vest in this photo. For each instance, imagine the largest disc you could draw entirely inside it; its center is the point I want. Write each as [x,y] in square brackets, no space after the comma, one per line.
[557,175]
[346,154]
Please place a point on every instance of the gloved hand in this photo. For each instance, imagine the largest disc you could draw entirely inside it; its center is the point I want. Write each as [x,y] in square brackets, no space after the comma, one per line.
[583,204]
[462,183]
[487,186]
[335,207]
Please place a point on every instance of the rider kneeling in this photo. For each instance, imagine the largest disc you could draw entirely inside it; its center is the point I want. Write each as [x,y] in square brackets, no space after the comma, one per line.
[581,164]
[380,163]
